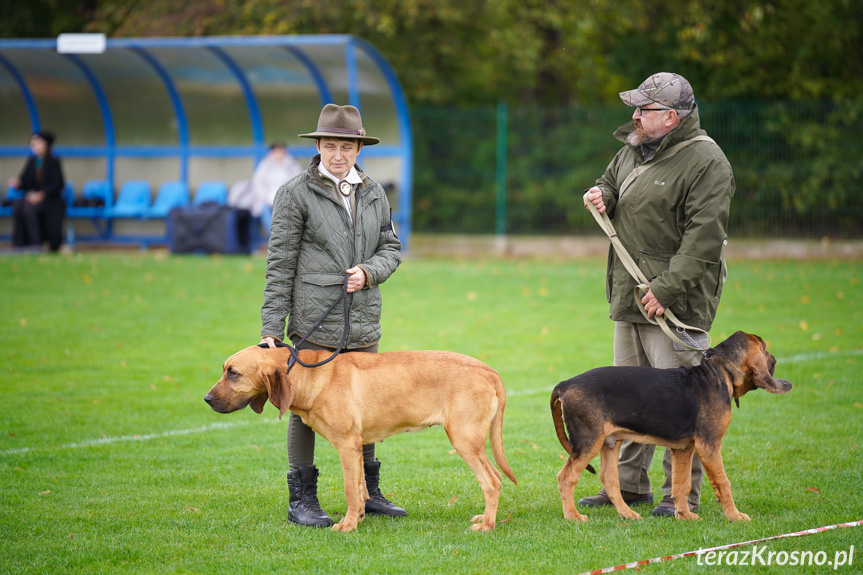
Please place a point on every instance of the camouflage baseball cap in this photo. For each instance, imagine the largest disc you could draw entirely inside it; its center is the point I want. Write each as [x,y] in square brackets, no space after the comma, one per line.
[666,89]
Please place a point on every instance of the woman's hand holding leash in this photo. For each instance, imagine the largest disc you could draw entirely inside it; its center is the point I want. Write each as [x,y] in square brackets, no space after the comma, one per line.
[357,279]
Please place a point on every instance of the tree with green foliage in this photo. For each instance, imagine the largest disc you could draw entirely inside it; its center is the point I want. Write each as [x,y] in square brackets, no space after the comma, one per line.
[550,52]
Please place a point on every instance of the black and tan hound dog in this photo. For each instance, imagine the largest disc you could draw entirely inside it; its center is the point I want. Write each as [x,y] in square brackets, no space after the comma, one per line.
[687,409]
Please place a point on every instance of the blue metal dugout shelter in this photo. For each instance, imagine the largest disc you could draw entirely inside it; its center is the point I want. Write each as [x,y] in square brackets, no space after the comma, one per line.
[199,109]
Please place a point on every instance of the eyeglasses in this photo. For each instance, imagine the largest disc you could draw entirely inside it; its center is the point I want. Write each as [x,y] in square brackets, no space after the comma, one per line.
[641,110]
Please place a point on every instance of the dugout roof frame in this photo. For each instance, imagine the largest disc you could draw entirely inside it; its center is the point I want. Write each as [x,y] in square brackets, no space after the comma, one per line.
[193,109]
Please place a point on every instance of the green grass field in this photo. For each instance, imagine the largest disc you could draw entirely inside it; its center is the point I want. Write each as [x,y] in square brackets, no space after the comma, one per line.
[111,462]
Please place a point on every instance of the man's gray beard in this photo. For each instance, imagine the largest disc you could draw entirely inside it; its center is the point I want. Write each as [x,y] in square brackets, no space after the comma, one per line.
[637,137]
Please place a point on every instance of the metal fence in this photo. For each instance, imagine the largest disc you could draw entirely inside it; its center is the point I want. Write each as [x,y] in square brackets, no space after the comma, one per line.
[798,167]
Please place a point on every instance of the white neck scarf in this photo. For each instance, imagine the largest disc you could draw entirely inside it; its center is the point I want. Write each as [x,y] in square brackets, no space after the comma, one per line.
[353,178]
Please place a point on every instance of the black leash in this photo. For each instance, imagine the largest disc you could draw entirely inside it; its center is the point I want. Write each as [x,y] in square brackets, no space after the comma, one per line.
[295,356]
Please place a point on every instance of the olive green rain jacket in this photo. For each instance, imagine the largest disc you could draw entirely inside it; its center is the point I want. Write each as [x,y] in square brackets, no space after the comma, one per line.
[672,220]
[312,243]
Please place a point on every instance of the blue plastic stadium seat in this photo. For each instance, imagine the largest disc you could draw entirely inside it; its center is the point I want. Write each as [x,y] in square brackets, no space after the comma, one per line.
[68,193]
[93,191]
[213,191]
[133,201]
[171,195]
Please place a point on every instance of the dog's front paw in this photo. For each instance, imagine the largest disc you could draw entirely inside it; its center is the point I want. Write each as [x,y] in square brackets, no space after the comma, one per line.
[576,516]
[345,526]
[628,513]
[480,524]
[687,515]
[738,516]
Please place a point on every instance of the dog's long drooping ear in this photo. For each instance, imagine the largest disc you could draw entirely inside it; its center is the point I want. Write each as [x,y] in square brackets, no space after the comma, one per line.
[278,388]
[257,403]
[762,373]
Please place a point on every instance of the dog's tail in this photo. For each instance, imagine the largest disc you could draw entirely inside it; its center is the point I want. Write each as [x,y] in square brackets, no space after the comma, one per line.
[557,417]
[560,427]
[497,429]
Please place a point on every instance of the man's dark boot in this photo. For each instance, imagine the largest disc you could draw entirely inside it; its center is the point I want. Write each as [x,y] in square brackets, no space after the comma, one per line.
[377,503]
[602,499]
[304,508]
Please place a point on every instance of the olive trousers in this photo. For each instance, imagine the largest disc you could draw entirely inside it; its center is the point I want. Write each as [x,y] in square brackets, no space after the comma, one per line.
[647,345]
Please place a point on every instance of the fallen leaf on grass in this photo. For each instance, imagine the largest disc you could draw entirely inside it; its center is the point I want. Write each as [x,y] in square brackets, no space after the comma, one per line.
[451,501]
[813,489]
[45,492]
[858,404]
[256,447]
[508,517]
[561,455]
[195,509]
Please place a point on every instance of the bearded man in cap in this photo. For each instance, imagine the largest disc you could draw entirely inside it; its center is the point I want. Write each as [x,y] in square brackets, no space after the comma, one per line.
[331,220]
[672,220]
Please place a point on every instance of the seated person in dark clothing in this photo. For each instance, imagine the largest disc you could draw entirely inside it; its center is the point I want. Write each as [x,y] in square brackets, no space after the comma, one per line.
[38,217]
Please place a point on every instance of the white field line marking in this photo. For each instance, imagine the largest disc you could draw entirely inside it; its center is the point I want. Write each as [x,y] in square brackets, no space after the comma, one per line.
[212,426]
[817,355]
[143,437]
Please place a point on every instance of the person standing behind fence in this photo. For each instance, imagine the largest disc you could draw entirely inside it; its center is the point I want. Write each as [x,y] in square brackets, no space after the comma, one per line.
[330,221]
[672,220]
[38,216]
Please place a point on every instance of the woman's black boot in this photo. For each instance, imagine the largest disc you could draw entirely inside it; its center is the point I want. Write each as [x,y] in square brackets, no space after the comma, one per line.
[304,508]
[377,503]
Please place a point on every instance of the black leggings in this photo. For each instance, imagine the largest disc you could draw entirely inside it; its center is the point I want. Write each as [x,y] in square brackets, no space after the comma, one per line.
[34,224]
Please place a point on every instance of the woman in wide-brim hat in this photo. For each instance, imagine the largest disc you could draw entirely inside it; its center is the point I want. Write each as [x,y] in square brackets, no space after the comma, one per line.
[342,122]
[331,220]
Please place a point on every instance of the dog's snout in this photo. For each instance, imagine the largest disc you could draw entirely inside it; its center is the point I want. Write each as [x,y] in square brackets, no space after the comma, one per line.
[209,399]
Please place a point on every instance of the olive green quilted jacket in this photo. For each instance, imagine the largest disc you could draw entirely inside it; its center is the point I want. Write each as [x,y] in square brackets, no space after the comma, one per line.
[312,243]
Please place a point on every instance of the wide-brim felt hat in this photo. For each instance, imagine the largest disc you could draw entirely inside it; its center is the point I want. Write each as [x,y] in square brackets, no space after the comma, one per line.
[343,122]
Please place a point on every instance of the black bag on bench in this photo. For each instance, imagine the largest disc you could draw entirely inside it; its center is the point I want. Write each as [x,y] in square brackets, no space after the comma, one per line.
[209,228]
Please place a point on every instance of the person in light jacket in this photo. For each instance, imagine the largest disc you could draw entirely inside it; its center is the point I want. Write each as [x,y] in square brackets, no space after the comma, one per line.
[330,221]
[672,220]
